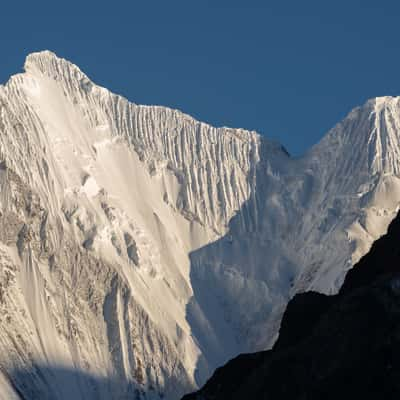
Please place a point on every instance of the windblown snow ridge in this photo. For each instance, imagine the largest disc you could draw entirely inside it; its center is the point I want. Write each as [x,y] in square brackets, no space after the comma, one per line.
[212,164]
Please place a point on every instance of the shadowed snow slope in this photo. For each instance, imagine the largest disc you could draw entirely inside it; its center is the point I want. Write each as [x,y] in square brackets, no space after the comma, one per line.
[143,247]
[344,346]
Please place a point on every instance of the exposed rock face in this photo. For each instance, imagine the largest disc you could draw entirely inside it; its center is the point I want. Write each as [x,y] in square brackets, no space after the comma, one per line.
[140,248]
[329,347]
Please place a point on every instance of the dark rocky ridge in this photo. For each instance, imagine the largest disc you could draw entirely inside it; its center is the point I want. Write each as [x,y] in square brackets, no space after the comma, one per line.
[329,347]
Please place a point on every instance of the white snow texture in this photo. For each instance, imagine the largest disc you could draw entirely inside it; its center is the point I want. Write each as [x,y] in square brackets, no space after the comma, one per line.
[140,248]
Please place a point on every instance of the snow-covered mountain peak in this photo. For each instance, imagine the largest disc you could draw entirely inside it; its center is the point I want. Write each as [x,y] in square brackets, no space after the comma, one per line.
[150,247]
[48,63]
[366,139]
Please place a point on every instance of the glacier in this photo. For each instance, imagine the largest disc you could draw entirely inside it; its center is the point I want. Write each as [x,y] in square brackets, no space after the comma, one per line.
[140,248]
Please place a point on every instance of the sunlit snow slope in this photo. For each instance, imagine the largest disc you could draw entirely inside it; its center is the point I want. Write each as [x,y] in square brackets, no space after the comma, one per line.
[140,248]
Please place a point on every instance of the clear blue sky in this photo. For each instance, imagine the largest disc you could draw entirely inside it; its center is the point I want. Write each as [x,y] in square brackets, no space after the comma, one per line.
[288,69]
